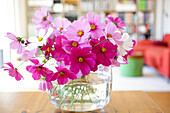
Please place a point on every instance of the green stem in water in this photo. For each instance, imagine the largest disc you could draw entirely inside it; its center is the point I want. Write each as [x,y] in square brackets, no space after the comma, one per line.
[64,98]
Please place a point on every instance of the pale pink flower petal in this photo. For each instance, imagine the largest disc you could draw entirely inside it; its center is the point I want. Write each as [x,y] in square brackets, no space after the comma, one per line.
[44,85]
[11,36]
[39,14]
[97,18]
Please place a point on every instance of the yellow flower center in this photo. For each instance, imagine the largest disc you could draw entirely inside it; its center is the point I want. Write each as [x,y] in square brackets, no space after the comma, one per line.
[80,33]
[48,49]
[40,39]
[109,35]
[80,59]
[61,73]
[61,58]
[74,44]
[61,28]
[38,68]
[103,50]
[92,26]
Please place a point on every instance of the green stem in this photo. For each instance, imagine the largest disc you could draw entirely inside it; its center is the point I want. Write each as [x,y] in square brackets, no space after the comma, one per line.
[99,42]
[54,89]
[64,98]
[24,62]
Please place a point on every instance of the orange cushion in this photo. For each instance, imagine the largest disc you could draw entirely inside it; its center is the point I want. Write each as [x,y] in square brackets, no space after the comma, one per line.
[166,39]
[145,42]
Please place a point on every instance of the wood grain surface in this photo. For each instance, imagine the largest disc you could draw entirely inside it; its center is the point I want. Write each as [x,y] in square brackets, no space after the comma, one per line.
[162,99]
[38,102]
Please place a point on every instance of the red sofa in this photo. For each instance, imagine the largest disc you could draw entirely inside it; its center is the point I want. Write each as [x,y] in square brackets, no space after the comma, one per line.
[156,54]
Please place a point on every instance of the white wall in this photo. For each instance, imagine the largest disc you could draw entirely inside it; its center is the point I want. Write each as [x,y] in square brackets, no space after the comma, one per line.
[162,18]
[166,15]
[158,24]
[7,24]
[20,10]
[13,19]
[21,17]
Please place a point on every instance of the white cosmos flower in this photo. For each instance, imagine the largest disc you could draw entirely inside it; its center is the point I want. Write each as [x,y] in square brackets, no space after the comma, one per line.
[126,46]
[40,39]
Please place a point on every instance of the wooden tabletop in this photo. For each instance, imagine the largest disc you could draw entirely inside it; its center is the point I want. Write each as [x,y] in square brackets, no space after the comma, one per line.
[121,102]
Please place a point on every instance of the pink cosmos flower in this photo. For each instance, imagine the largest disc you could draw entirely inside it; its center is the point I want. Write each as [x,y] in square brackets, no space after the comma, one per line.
[15,44]
[111,33]
[117,21]
[96,27]
[62,75]
[130,53]
[104,51]
[44,85]
[55,33]
[62,24]
[13,72]
[126,46]
[48,48]
[59,54]
[82,18]
[82,60]
[70,44]
[43,17]
[119,60]
[25,55]
[78,31]
[37,70]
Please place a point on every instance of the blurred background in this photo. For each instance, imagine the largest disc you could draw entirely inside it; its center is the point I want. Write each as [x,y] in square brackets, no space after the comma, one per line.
[148,22]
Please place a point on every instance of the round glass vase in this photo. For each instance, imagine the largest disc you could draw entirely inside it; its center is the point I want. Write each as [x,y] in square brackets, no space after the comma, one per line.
[90,92]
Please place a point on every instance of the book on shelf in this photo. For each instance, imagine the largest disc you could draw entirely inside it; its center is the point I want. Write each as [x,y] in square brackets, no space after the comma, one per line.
[145,18]
[126,1]
[131,29]
[128,18]
[126,6]
[95,5]
[40,3]
[146,5]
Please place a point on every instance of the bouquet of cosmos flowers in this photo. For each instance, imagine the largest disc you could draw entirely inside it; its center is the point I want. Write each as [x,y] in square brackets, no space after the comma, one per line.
[78,47]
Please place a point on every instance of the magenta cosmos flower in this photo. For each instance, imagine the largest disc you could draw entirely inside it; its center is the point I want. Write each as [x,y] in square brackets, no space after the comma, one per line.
[58,53]
[96,27]
[44,85]
[117,21]
[62,75]
[78,31]
[104,50]
[43,17]
[62,24]
[48,48]
[112,34]
[37,70]
[70,44]
[13,72]
[82,60]
[15,44]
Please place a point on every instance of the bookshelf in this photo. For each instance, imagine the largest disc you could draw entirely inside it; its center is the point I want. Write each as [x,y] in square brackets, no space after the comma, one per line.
[137,14]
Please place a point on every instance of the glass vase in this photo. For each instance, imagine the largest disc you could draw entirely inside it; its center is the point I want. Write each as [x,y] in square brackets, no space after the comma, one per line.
[90,92]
